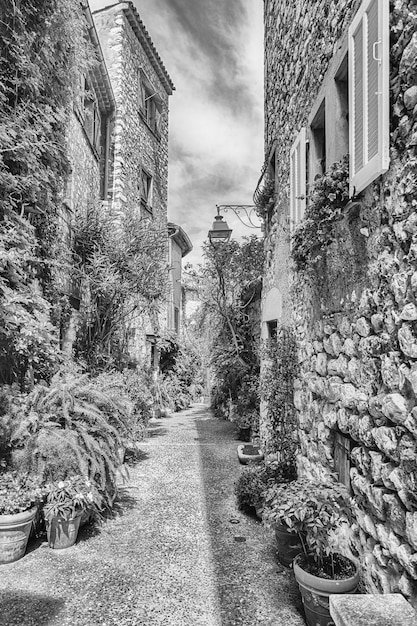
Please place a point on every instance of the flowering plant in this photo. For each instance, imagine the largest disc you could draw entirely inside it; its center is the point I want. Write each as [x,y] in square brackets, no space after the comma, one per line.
[70,497]
[18,492]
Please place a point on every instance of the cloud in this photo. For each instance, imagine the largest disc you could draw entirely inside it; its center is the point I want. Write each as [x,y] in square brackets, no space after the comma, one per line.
[213,51]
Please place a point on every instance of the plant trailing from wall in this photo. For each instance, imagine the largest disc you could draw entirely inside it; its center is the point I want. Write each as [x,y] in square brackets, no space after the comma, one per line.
[328,197]
[45,48]
[28,340]
[264,198]
[279,368]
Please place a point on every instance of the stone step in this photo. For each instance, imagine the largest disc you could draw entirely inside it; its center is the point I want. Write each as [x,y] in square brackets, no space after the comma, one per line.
[391,609]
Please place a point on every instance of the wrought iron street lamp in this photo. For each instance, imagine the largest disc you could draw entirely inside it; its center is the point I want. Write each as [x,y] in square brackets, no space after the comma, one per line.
[220,231]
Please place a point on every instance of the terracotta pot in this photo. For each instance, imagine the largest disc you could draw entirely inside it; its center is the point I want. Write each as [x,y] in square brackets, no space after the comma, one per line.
[62,533]
[14,534]
[244,434]
[315,592]
[288,544]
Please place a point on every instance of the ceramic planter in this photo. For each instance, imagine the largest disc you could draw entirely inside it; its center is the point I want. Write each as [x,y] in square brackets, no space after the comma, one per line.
[288,545]
[14,534]
[244,433]
[248,453]
[315,593]
[61,532]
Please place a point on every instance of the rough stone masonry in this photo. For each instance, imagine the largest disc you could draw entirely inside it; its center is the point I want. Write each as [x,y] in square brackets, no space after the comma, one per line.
[357,325]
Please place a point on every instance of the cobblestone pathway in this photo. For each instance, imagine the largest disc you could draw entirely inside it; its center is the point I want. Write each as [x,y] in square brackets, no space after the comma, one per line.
[173,555]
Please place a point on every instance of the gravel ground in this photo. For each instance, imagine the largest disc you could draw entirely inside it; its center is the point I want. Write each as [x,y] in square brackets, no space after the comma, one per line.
[176,553]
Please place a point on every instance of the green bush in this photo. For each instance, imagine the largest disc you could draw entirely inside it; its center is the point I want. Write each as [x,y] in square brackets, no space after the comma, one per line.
[256,479]
[64,428]
[250,486]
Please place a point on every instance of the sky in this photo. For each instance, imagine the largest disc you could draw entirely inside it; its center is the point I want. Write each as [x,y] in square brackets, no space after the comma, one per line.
[213,51]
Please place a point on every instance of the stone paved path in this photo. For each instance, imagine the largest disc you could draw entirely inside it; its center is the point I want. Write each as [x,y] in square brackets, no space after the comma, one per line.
[172,556]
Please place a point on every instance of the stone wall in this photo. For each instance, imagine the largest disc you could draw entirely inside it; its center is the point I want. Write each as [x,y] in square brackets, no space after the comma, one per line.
[85,185]
[135,145]
[357,337]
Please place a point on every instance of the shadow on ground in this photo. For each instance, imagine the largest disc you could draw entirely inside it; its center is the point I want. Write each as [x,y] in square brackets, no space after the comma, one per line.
[252,586]
[17,608]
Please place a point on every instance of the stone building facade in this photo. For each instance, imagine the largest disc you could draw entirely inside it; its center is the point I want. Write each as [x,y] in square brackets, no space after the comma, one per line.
[142,87]
[88,141]
[341,242]
[139,140]
[179,246]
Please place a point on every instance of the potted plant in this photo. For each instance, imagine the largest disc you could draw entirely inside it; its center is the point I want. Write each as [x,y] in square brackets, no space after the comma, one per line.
[255,480]
[66,501]
[314,511]
[250,487]
[245,419]
[20,495]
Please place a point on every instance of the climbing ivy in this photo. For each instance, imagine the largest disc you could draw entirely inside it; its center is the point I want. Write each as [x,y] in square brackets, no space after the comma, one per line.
[329,195]
[279,368]
[44,49]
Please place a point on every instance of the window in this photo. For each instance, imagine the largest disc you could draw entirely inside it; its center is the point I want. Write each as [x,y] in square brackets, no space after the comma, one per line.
[177,319]
[317,146]
[298,179]
[88,110]
[369,94]
[150,104]
[146,190]
[342,448]
[340,108]
[272,326]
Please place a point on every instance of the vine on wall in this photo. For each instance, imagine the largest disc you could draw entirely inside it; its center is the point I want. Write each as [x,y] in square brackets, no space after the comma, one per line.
[279,369]
[329,195]
[45,48]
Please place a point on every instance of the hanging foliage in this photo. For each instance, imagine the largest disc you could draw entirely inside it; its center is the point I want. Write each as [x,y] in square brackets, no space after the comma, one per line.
[44,47]
[279,368]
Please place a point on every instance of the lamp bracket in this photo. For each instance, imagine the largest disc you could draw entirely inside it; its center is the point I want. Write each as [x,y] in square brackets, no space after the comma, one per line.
[246,210]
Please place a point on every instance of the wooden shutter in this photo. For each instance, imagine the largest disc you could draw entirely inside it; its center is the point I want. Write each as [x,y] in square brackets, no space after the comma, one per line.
[298,179]
[97,127]
[141,90]
[369,94]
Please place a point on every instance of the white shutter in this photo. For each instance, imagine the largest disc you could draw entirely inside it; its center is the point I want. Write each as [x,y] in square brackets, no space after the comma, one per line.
[368,94]
[298,179]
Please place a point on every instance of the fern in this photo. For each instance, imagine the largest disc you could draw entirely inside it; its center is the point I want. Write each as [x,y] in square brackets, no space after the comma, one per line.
[73,421]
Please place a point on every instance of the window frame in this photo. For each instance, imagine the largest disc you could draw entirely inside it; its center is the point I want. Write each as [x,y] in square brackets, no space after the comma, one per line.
[150,104]
[378,164]
[298,182]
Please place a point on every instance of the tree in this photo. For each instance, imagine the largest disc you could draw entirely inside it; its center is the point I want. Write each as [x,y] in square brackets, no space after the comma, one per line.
[122,262]
[230,283]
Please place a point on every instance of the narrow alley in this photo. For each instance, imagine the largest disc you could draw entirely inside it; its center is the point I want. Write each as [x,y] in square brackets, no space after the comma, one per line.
[176,553]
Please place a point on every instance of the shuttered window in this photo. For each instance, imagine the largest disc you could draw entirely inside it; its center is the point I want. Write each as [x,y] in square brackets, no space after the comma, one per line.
[298,179]
[369,94]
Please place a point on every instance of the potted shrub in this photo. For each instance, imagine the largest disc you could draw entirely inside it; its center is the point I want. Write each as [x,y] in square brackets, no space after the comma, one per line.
[20,495]
[245,419]
[255,479]
[314,511]
[250,487]
[66,501]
